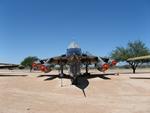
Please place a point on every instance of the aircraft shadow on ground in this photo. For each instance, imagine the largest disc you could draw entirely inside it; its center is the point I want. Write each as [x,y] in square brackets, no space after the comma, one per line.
[13,75]
[88,76]
[102,76]
[82,81]
[51,77]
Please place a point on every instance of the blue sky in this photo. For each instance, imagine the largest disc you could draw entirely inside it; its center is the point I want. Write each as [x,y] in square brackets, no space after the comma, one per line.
[44,28]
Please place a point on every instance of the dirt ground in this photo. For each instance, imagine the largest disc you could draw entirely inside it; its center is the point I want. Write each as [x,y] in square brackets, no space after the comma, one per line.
[126,93]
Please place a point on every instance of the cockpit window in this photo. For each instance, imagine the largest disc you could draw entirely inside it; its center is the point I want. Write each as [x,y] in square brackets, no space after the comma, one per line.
[73,45]
[73,51]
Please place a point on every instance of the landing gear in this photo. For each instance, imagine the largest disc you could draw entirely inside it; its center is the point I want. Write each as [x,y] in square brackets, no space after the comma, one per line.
[61,70]
[86,70]
[61,75]
[86,67]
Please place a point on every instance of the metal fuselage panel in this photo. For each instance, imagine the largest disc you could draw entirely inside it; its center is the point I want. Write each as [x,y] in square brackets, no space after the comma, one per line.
[74,69]
[74,62]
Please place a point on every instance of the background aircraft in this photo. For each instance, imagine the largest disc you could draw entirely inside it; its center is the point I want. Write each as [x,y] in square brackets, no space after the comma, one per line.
[147,57]
[8,66]
[74,59]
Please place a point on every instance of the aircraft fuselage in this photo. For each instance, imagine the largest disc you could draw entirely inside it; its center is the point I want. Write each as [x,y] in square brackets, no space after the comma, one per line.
[74,65]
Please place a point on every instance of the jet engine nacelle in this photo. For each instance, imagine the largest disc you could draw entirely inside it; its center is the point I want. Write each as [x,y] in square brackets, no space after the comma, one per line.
[103,67]
[112,62]
[36,66]
[46,68]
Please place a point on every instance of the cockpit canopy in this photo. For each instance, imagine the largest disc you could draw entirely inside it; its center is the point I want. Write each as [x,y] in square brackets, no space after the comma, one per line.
[73,45]
[73,49]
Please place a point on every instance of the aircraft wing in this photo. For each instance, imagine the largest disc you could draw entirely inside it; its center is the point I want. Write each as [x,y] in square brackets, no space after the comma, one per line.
[106,60]
[63,59]
[57,60]
[100,64]
[85,59]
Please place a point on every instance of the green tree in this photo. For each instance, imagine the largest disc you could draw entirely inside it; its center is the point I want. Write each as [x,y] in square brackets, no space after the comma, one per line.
[133,49]
[27,62]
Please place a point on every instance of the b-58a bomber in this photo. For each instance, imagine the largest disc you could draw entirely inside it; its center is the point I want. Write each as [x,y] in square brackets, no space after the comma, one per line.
[74,59]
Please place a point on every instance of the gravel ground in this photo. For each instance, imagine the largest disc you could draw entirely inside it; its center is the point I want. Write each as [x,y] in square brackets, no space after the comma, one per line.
[23,92]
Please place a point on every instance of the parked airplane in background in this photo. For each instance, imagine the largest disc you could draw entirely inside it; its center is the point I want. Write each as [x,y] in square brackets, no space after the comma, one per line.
[8,66]
[74,59]
[140,58]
